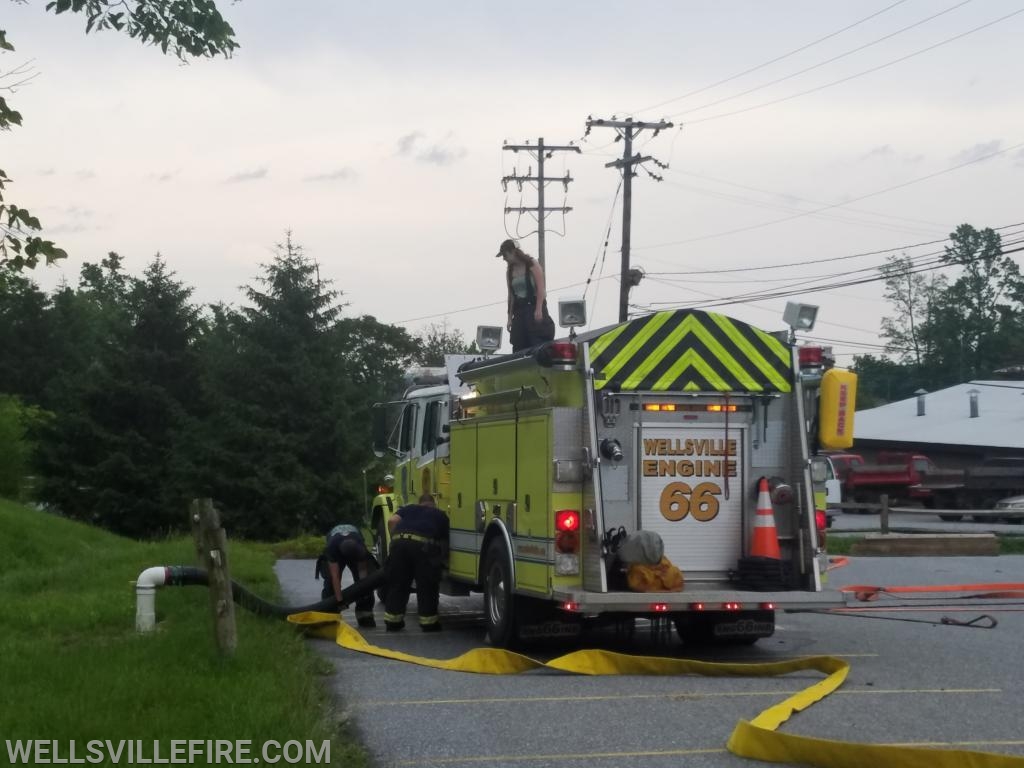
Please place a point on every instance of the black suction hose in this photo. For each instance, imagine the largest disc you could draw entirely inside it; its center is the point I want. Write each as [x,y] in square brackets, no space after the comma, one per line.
[185,576]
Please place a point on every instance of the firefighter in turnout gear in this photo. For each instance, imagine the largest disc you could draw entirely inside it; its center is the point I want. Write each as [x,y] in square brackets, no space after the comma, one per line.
[419,549]
[346,549]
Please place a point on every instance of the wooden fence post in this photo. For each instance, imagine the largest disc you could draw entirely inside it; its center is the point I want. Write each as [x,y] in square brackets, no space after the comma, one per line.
[215,560]
[197,536]
[884,512]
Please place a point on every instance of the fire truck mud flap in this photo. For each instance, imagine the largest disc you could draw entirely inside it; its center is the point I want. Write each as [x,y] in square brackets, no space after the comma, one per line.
[757,739]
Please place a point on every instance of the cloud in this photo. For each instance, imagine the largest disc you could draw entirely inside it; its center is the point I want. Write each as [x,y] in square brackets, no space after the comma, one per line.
[978,151]
[254,175]
[162,177]
[883,150]
[1019,161]
[341,174]
[47,172]
[86,175]
[441,152]
[405,143]
[913,159]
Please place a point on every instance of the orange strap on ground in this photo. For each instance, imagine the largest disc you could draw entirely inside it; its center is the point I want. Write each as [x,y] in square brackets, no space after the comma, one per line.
[867,592]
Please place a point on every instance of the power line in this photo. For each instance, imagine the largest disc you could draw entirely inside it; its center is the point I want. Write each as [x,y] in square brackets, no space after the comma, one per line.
[862,254]
[859,74]
[785,293]
[893,188]
[775,60]
[825,62]
[799,199]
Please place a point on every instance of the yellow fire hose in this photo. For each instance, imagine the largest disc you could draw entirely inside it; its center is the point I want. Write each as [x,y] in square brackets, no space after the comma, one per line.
[757,739]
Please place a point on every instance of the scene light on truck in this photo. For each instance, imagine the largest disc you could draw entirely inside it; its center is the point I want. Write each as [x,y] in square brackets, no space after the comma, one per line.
[659,607]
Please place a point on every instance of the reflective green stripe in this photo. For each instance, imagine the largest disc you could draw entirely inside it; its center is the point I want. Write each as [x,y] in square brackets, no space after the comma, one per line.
[600,344]
[690,350]
[632,347]
[393,618]
[691,359]
[776,346]
[427,620]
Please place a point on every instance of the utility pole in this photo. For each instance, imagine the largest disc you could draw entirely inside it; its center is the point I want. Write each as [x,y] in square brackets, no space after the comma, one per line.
[628,130]
[541,151]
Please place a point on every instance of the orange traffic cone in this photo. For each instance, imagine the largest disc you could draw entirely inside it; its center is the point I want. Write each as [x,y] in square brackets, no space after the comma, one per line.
[766,539]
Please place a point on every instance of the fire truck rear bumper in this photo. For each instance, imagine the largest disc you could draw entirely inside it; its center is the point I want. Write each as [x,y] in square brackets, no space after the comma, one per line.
[697,599]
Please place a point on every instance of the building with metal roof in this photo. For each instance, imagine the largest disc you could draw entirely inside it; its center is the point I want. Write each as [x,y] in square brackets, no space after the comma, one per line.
[954,427]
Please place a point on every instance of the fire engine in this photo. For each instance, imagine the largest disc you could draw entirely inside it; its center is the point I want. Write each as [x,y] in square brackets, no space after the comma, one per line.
[664,423]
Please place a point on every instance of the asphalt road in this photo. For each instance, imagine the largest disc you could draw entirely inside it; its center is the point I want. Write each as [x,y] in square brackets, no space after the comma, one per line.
[910,682]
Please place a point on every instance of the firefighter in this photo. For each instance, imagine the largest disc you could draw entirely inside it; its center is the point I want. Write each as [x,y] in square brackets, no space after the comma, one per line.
[419,549]
[347,549]
[529,323]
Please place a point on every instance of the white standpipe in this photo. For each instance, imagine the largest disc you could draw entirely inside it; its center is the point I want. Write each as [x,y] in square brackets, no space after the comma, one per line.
[145,597]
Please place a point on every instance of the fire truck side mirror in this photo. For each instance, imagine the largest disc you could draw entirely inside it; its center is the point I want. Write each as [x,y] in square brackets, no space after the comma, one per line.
[380,434]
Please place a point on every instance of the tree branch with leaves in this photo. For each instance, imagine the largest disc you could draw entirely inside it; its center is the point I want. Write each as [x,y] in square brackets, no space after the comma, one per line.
[186,28]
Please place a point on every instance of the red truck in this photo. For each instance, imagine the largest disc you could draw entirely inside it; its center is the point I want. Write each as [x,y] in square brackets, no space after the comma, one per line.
[898,474]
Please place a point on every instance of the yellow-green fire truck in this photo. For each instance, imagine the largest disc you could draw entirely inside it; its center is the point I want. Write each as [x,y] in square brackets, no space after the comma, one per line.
[664,423]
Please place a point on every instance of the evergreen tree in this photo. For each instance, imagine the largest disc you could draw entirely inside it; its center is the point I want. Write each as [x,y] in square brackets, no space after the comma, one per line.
[109,456]
[279,449]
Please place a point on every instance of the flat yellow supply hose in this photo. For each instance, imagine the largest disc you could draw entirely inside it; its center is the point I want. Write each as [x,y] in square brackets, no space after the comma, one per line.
[757,739]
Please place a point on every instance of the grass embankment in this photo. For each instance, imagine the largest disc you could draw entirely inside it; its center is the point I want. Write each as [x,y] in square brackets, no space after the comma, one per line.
[73,668]
[839,544]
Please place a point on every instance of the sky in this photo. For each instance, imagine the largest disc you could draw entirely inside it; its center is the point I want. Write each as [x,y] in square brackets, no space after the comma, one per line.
[803,132]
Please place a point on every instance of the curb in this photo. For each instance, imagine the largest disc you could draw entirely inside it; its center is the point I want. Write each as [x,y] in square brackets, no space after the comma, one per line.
[903,544]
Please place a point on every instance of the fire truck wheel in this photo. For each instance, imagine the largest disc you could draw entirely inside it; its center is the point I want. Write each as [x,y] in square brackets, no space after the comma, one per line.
[381,545]
[499,601]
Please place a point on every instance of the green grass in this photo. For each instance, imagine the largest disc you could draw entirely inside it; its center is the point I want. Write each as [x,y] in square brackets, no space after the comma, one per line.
[841,544]
[73,668]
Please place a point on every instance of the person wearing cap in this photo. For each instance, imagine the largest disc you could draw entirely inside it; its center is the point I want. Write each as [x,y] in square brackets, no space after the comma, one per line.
[419,549]
[529,323]
[346,549]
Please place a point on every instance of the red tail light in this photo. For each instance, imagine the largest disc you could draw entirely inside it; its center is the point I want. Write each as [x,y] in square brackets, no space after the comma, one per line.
[820,520]
[562,352]
[567,520]
[811,356]
[659,607]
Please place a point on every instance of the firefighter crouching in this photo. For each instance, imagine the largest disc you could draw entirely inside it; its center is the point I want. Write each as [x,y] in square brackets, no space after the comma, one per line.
[346,549]
[419,549]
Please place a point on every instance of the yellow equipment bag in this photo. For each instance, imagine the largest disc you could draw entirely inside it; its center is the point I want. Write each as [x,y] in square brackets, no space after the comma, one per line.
[663,577]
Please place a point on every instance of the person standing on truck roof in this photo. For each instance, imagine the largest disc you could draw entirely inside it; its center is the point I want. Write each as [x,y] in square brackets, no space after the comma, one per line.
[529,323]
[419,548]
[346,549]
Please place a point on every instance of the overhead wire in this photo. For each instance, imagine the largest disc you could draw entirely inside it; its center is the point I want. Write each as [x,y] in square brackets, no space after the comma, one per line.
[820,64]
[858,74]
[886,190]
[861,254]
[775,60]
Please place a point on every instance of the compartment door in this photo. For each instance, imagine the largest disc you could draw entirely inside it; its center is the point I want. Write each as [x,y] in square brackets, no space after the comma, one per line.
[683,477]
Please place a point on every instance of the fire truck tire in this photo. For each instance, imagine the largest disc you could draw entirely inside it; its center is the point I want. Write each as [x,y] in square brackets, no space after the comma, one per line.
[499,600]
[380,541]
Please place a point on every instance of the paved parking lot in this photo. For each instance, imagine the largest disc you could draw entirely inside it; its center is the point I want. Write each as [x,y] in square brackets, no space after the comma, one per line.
[911,680]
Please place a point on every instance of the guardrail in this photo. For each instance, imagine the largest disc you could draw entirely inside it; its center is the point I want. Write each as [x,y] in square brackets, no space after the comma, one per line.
[883,509]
